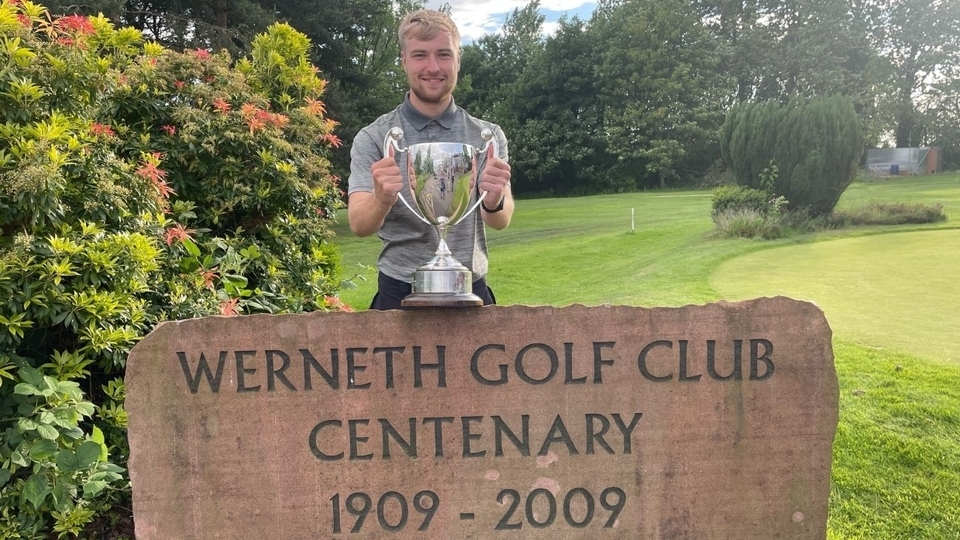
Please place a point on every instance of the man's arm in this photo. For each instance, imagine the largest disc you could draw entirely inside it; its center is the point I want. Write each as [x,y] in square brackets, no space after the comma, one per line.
[366,210]
[366,213]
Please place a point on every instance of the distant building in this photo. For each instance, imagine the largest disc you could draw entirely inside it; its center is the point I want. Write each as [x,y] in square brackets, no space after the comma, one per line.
[903,161]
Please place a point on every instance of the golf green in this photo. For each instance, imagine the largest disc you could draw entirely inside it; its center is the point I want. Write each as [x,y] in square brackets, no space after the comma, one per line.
[898,291]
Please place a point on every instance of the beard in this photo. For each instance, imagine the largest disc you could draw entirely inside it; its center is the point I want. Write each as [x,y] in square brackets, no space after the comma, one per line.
[433,95]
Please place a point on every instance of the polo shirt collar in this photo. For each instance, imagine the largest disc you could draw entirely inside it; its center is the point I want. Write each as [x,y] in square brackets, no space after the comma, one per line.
[419,120]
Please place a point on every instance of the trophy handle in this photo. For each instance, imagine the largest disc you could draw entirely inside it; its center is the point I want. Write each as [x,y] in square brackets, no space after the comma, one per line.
[489,140]
[392,139]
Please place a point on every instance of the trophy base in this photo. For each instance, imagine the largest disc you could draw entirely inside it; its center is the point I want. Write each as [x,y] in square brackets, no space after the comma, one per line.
[441,300]
[442,287]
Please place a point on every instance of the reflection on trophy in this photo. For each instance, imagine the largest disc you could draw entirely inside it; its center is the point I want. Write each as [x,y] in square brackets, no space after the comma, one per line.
[441,178]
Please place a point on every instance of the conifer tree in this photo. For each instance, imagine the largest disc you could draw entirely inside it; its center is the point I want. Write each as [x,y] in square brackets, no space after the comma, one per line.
[815,145]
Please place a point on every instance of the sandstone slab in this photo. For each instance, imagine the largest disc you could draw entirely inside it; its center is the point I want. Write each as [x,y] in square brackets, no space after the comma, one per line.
[701,422]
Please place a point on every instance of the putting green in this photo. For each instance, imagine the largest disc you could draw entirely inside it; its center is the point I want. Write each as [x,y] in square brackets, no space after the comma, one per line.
[897,291]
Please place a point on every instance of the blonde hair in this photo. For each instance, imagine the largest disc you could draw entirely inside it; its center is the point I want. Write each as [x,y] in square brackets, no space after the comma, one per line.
[425,24]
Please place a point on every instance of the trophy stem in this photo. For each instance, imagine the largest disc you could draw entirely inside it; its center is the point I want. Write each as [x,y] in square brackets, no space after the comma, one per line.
[443,250]
[443,258]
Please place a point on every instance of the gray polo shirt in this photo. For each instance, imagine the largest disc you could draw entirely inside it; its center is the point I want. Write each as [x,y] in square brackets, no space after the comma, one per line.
[408,242]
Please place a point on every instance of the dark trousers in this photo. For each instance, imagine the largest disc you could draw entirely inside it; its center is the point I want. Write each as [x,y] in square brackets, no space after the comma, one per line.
[391,291]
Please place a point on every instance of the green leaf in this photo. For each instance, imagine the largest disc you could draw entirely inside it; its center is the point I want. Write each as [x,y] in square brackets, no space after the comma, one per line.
[30,375]
[62,499]
[85,408]
[67,461]
[69,387]
[4,477]
[48,432]
[189,265]
[66,420]
[5,372]
[35,490]
[236,280]
[74,433]
[191,247]
[91,488]
[17,459]
[43,449]
[97,437]
[52,383]
[112,467]
[88,453]
[25,389]
[106,476]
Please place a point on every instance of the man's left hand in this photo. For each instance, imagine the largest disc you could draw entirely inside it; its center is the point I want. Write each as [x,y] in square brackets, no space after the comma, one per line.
[495,180]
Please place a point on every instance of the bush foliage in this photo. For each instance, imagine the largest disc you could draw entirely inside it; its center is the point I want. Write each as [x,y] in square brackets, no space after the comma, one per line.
[813,147]
[877,213]
[735,198]
[137,185]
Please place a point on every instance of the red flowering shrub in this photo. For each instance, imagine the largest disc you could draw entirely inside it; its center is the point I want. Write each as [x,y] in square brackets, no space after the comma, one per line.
[137,184]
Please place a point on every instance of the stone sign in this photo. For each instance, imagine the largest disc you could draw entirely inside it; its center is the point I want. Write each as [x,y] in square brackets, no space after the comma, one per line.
[701,422]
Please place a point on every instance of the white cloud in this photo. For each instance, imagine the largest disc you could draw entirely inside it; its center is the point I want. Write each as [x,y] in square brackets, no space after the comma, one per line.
[550,28]
[475,18]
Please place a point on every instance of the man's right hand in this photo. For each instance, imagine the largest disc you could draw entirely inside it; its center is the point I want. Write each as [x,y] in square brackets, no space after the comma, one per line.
[387,181]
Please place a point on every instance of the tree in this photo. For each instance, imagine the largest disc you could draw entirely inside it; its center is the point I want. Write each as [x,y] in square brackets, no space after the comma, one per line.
[780,48]
[884,55]
[941,110]
[541,91]
[814,146]
[918,40]
[493,66]
[558,146]
[181,24]
[745,42]
[660,87]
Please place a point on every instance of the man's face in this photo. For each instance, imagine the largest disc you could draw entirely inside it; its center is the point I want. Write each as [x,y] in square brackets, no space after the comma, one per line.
[431,68]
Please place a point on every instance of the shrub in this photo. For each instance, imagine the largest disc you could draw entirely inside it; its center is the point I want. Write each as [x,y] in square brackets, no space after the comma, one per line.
[877,213]
[746,223]
[814,144]
[750,222]
[137,184]
[728,199]
[249,170]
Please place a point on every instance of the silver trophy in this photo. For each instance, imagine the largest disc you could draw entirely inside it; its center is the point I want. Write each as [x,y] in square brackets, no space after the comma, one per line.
[441,178]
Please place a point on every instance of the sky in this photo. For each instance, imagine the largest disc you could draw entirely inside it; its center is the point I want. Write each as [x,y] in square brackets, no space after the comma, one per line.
[476,18]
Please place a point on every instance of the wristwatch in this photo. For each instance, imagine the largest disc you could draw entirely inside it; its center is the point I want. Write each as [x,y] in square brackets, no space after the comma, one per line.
[493,210]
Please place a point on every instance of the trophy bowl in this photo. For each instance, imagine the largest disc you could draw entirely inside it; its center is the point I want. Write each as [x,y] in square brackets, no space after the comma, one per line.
[441,177]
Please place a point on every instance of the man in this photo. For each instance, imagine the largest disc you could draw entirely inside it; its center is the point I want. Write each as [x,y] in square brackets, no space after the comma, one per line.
[430,55]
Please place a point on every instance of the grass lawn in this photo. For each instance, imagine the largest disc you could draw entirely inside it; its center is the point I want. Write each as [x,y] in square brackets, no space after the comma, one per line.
[896,456]
[893,301]
[900,291]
